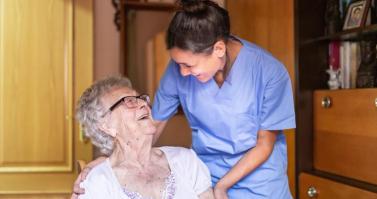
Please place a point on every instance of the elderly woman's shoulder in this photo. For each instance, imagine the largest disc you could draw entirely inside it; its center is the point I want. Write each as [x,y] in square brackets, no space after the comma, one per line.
[178,153]
[176,150]
[101,171]
[100,182]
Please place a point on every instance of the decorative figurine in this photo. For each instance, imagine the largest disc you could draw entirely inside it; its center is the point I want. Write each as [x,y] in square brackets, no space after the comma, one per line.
[366,74]
[332,17]
[334,81]
[334,65]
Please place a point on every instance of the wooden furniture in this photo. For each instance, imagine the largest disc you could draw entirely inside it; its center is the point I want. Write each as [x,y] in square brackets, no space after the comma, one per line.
[121,20]
[46,57]
[336,139]
[319,187]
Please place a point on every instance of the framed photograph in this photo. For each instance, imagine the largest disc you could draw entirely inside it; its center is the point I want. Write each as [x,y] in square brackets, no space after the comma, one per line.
[356,14]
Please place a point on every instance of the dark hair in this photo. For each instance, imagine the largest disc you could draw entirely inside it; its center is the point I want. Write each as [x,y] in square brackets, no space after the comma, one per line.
[197,26]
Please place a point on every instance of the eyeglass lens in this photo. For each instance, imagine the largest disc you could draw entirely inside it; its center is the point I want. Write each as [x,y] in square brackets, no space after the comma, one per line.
[132,101]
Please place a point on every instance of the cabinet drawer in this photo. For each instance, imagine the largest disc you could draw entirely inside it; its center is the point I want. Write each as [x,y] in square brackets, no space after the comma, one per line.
[345,133]
[316,187]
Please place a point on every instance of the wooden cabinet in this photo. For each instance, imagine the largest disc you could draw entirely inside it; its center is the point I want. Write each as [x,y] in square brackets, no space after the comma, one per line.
[345,133]
[45,63]
[336,134]
[322,188]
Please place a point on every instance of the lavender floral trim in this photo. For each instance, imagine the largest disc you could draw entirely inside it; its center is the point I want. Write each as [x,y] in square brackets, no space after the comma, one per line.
[169,192]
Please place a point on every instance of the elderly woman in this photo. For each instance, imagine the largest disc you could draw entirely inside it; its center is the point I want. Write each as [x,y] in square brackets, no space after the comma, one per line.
[119,122]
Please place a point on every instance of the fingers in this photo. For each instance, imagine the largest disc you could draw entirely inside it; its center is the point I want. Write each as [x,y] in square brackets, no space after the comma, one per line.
[76,186]
[220,194]
[84,173]
[77,190]
[74,196]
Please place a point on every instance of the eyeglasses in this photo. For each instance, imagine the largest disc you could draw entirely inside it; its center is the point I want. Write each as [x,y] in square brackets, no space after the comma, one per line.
[130,102]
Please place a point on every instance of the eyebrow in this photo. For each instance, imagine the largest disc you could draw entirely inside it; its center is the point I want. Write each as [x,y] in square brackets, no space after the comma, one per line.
[184,64]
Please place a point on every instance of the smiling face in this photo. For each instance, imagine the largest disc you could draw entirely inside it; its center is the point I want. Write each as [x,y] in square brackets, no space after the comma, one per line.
[201,65]
[126,120]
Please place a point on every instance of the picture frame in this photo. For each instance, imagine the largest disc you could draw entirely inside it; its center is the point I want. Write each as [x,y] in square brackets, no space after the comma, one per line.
[357,13]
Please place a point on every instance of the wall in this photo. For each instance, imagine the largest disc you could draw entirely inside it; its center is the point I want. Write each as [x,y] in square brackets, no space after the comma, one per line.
[106,41]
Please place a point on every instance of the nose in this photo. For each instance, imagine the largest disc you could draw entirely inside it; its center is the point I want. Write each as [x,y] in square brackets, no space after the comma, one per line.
[185,71]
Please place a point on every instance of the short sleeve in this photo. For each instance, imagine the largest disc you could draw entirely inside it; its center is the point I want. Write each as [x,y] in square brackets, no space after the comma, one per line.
[100,183]
[277,112]
[199,175]
[166,98]
[95,187]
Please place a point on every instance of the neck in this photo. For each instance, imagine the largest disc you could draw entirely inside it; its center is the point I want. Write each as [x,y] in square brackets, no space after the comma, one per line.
[232,49]
[222,73]
[136,152]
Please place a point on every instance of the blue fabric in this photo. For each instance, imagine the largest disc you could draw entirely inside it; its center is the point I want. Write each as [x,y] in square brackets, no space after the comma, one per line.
[256,95]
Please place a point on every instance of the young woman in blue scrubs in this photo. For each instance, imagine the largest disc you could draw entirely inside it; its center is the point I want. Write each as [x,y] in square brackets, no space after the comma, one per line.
[237,98]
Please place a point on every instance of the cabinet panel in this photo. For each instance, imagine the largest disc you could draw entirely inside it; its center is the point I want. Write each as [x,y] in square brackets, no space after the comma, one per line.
[45,63]
[345,134]
[36,91]
[327,189]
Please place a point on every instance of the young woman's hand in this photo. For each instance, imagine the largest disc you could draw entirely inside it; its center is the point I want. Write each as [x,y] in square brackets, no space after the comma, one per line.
[77,190]
[220,193]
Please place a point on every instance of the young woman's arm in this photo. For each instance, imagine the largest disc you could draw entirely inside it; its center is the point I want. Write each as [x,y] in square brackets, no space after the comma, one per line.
[160,127]
[77,190]
[248,163]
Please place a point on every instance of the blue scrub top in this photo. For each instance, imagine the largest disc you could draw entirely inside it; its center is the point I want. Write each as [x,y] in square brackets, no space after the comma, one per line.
[256,95]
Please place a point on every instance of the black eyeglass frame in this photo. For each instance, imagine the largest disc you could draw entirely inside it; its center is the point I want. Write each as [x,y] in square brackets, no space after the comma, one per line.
[144,97]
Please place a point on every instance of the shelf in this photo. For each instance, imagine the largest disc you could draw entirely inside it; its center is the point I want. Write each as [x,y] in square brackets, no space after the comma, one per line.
[343,90]
[347,35]
[157,6]
[344,180]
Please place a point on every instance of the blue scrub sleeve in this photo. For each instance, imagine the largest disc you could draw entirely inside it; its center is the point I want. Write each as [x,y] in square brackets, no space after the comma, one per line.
[277,111]
[166,98]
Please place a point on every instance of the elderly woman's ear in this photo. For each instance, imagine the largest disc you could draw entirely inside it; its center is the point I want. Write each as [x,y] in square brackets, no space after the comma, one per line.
[106,127]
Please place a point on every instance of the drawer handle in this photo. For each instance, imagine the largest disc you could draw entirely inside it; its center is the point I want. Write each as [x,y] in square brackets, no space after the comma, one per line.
[326,102]
[312,192]
[375,102]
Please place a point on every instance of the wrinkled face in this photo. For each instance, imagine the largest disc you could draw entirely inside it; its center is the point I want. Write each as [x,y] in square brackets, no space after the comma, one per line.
[200,65]
[128,117]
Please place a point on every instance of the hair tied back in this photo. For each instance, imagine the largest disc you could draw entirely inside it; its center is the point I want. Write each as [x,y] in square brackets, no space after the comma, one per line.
[192,6]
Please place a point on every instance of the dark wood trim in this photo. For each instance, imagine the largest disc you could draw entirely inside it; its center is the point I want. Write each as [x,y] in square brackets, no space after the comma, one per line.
[345,180]
[348,35]
[136,5]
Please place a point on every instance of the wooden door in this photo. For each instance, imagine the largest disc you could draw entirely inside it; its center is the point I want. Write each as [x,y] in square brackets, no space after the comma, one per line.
[45,63]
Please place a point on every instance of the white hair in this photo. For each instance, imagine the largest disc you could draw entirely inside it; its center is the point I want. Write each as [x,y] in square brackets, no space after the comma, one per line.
[90,110]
